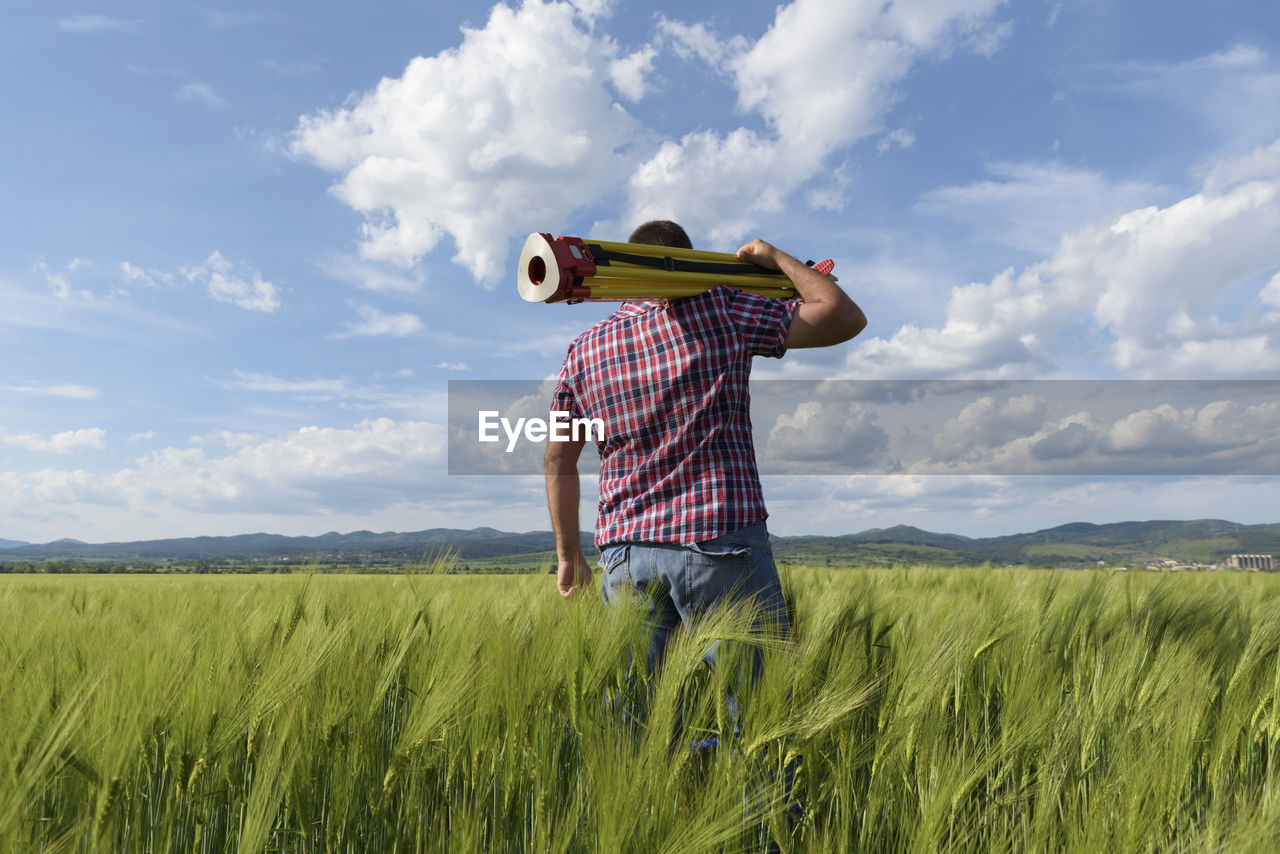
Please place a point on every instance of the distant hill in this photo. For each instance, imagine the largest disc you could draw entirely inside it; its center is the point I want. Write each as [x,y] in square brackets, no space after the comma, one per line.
[11,544]
[1200,540]
[416,546]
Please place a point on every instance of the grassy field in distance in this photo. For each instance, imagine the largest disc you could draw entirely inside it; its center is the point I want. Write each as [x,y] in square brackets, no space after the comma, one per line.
[929,710]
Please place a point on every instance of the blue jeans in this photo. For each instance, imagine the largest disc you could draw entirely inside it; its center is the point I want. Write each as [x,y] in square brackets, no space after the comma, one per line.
[677,583]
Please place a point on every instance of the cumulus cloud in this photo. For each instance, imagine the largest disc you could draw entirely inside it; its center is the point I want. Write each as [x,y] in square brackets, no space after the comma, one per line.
[68,442]
[372,464]
[698,41]
[505,134]
[822,77]
[517,127]
[1221,437]
[1270,294]
[374,322]
[1082,428]
[1145,282]
[376,461]
[823,434]
[629,72]
[985,423]
[237,284]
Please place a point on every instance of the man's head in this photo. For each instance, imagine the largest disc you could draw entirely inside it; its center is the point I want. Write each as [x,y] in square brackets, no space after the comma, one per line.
[661,232]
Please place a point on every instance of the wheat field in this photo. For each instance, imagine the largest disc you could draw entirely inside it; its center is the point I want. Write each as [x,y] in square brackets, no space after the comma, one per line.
[916,710]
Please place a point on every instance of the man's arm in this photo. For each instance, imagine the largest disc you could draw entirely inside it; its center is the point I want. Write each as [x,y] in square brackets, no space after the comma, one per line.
[827,316]
[560,465]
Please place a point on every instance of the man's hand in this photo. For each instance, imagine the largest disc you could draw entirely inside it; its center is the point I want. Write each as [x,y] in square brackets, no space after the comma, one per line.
[826,315]
[569,580]
[760,253]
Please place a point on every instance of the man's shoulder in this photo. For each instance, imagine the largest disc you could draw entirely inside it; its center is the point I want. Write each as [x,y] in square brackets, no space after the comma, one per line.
[595,335]
[626,315]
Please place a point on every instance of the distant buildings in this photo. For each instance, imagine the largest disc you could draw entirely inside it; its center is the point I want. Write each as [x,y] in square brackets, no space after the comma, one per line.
[1254,562]
[1265,562]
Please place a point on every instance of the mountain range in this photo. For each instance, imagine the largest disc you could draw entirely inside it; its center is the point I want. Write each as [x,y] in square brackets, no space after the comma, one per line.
[1201,540]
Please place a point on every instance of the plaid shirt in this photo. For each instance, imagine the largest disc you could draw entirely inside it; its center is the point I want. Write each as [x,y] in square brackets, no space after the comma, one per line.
[669,380]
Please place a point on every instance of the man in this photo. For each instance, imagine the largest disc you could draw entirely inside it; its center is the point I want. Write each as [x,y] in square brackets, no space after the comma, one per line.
[681,513]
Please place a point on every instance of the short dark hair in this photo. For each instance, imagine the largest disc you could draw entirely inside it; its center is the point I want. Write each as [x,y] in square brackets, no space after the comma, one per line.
[661,232]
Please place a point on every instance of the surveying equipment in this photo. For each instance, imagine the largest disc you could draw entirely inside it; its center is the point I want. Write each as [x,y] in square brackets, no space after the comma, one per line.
[572,270]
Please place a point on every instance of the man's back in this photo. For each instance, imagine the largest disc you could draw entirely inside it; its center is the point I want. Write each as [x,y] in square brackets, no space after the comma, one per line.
[669,380]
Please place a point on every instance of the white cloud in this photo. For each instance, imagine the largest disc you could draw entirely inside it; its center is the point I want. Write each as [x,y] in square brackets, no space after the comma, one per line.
[86,23]
[375,322]
[818,432]
[71,390]
[984,424]
[1194,432]
[1271,293]
[1233,93]
[896,138]
[250,381]
[377,276]
[1031,205]
[58,280]
[144,436]
[202,93]
[227,439]
[514,130]
[822,77]
[339,393]
[67,442]
[1145,283]
[453,366]
[1219,437]
[372,464]
[131,274]
[629,72]
[506,134]
[244,286]
[709,182]
[698,41]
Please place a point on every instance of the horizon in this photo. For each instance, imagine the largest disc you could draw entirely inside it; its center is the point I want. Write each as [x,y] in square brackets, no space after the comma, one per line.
[246,249]
[548,530]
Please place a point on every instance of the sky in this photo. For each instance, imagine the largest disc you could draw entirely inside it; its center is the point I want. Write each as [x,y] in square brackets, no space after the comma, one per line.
[246,248]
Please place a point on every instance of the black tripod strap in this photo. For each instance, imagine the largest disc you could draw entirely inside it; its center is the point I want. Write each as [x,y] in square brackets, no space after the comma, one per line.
[674,265]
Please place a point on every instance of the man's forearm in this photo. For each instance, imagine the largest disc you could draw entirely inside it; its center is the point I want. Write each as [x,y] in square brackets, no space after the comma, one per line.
[560,465]
[811,286]
[826,314]
[563,491]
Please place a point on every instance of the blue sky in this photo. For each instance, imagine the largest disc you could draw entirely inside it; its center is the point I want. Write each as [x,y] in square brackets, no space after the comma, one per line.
[245,248]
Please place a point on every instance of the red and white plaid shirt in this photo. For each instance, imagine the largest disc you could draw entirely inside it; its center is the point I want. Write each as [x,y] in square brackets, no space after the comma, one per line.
[669,380]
